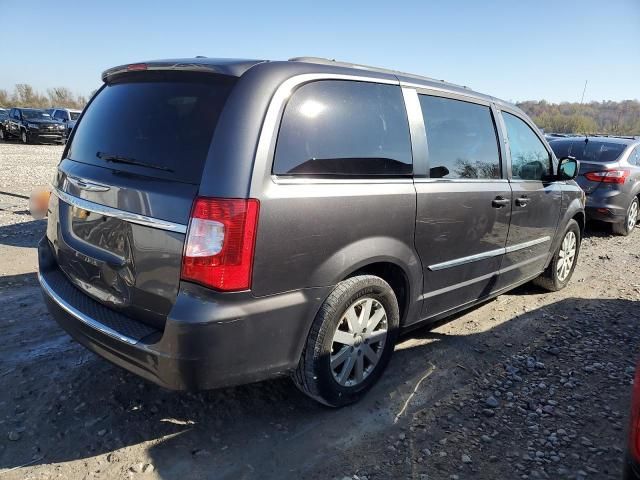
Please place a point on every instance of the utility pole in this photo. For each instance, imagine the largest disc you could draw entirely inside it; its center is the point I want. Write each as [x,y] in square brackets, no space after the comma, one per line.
[583,90]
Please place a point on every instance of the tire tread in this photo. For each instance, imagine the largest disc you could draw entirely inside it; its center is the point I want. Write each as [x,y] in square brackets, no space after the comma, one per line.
[304,374]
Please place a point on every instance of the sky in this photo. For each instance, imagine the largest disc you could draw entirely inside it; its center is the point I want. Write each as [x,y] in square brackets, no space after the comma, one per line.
[513,49]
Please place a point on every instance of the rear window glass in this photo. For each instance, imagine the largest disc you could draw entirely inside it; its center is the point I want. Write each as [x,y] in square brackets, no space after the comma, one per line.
[591,151]
[159,125]
[344,128]
[74,115]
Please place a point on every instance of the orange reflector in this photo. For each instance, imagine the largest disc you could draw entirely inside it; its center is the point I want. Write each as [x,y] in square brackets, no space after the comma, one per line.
[39,202]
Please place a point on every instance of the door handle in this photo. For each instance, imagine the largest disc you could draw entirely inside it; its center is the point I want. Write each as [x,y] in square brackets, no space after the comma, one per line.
[522,201]
[500,202]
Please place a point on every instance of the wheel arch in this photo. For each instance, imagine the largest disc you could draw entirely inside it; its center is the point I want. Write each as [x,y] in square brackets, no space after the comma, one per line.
[395,276]
[575,211]
[581,219]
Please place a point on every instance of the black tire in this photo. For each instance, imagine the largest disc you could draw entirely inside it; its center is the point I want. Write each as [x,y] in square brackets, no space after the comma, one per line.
[24,137]
[549,279]
[3,136]
[625,228]
[314,375]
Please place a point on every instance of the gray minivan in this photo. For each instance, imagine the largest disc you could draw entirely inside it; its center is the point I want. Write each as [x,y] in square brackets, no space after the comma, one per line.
[218,222]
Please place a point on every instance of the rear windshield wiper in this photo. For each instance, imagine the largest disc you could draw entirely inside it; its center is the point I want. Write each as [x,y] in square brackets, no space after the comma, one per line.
[108,157]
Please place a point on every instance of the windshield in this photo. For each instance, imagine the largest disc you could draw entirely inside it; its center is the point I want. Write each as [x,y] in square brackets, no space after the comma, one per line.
[74,115]
[35,115]
[599,151]
[160,124]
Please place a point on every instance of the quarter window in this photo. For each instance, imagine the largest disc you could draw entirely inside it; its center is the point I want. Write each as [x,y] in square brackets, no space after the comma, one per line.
[530,160]
[462,139]
[634,158]
[344,128]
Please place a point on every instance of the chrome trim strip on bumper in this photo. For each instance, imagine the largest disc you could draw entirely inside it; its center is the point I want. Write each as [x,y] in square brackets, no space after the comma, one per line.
[78,315]
[490,254]
[120,214]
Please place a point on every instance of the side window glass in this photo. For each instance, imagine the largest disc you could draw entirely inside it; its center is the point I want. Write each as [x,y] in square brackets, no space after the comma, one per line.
[461,137]
[344,128]
[634,158]
[530,160]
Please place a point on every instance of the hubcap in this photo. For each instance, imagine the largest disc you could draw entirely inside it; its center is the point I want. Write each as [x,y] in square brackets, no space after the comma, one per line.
[358,342]
[633,216]
[566,256]
[24,137]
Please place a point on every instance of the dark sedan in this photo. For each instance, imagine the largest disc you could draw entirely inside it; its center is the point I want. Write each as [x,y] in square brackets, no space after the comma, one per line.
[609,175]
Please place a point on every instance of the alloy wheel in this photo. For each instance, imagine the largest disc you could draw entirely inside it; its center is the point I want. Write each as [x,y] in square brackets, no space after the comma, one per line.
[358,341]
[632,217]
[23,136]
[566,255]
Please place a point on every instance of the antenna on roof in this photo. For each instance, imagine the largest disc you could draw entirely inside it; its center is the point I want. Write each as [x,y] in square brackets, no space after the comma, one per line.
[583,90]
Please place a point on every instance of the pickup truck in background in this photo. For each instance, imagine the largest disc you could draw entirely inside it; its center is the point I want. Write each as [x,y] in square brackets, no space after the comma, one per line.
[33,125]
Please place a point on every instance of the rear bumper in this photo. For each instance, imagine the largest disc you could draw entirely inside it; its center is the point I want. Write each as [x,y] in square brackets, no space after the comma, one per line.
[210,339]
[606,214]
[607,205]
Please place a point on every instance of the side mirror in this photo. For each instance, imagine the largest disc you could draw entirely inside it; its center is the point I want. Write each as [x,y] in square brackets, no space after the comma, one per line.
[568,168]
[438,172]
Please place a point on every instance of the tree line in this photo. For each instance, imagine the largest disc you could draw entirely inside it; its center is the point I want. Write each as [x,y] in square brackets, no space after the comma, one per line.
[618,118]
[24,95]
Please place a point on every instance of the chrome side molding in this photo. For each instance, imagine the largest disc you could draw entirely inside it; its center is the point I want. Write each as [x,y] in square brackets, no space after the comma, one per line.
[491,253]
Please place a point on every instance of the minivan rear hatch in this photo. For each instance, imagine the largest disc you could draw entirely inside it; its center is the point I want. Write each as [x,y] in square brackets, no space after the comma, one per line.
[594,156]
[126,184]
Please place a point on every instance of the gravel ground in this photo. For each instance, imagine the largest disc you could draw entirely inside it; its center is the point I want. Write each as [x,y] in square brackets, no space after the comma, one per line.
[530,385]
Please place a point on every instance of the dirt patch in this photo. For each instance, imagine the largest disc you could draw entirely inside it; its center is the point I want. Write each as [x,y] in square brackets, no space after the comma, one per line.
[530,385]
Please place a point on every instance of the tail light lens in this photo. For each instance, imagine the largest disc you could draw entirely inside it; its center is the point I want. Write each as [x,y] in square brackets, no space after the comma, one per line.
[608,176]
[634,431]
[219,249]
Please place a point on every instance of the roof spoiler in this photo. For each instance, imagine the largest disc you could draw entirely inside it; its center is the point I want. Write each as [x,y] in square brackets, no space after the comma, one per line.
[159,66]
[216,66]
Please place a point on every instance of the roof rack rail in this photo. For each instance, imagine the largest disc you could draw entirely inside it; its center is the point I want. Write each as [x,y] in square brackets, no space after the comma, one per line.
[611,135]
[330,61]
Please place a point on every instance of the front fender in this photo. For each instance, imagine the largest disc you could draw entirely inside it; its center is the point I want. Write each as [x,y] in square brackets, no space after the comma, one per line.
[574,209]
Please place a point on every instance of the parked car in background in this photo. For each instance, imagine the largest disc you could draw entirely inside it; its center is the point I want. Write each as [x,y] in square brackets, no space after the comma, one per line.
[257,219]
[609,175]
[32,125]
[68,116]
[4,117]
[632,461]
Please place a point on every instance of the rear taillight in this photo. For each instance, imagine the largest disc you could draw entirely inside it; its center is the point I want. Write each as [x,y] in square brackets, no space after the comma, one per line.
[634,431]
[608,176]
[218,252]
